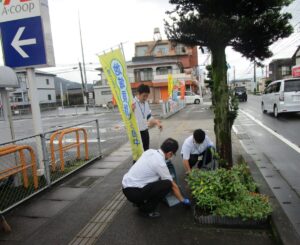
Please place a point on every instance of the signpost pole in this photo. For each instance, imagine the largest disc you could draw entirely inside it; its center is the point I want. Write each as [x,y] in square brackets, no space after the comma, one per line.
[36,115]
[7,112]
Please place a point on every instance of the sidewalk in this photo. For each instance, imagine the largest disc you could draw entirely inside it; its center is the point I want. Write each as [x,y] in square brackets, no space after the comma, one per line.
[89,208]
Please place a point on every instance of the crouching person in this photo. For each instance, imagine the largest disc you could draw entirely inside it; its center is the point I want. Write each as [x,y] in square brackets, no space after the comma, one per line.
[148,181]
[196,150]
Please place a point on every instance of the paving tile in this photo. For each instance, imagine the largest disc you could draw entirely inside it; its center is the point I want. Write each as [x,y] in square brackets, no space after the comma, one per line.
[95,172]
[115,158]
[42,208]
[64,193]
[21,227]
[120,153]
[104,164]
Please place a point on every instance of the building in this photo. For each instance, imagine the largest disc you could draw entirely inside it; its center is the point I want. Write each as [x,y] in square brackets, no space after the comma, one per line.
[296,63]
[103,95]
[72,92]
[247,83]
[280,68]
[155,60]
[45,86]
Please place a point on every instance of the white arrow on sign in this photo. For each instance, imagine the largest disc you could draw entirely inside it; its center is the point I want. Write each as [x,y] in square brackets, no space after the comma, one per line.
[17,43]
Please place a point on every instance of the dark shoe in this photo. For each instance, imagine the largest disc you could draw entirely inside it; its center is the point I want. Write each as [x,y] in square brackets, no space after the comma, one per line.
[153,215]
[136,205]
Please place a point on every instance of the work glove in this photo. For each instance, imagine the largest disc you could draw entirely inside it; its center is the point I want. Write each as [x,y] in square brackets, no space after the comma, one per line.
[186,202]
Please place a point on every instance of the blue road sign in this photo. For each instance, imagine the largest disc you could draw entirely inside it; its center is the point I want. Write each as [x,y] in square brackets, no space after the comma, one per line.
[23,42]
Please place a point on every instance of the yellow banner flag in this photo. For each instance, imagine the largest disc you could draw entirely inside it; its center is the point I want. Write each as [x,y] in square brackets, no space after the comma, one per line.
[170,85]
[114,67]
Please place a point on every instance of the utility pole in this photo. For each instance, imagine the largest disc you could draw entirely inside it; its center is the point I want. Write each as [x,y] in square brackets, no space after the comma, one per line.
[61,95]
[84,71]
[234,74]
[82,82]
[254,78]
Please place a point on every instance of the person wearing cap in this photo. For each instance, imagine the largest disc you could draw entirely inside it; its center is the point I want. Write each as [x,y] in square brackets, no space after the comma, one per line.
[148,181]
[143,115]
[194,148]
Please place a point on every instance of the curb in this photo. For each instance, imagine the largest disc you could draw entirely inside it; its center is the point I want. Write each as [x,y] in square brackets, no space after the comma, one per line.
[283,230]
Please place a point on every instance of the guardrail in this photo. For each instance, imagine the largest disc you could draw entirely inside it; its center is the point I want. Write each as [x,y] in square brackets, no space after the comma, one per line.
[21,166]
[24,175]
[60,134]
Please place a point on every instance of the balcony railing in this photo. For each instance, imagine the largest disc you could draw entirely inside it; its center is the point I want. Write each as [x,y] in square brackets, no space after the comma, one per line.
[164,78]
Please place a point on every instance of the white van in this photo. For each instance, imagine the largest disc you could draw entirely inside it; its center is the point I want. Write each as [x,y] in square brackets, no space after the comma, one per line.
[191,98]
[282,96]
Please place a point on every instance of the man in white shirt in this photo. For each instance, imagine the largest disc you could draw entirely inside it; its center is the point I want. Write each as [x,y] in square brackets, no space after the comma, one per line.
[143,114]
[148,181]
[194,148]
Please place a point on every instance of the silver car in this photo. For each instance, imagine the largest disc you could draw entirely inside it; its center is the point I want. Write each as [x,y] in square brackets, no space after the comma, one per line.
[282,96]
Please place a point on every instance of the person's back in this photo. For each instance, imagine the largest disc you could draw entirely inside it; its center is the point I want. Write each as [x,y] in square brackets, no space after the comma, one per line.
[148,181]
[146,169]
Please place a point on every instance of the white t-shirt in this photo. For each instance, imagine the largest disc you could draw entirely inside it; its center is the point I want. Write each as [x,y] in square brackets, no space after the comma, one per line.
[142,113]
[190,147]
[150,167]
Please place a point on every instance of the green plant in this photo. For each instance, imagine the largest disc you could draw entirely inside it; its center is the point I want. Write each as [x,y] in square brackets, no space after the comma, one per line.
[228,193]
[243,172]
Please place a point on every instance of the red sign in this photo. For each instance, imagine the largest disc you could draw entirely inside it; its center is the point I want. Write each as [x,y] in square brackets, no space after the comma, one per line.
[296,71]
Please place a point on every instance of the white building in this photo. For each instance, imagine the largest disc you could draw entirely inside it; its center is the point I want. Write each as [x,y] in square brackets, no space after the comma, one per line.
[45,87]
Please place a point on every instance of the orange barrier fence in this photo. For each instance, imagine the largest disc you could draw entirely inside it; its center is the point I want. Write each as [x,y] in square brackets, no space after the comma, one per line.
[22,166]
[62,148]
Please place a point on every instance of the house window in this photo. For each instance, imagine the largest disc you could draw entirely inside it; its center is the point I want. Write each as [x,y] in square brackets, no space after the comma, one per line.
[143,75]
[108,92]
[163,49]
[49,97]
[141,51]
[47,81]
[180,49]
[285,70]
[164,70]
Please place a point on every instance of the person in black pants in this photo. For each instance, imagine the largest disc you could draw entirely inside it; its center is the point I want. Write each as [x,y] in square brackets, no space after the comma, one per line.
[148,181]
[196,150]
[143,115]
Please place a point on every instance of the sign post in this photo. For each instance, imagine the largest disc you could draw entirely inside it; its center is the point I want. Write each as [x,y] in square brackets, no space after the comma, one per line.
[27,44]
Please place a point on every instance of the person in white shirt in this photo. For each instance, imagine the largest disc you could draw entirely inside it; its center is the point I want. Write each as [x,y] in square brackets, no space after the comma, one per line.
[194,148]
[148,181]
[143,114]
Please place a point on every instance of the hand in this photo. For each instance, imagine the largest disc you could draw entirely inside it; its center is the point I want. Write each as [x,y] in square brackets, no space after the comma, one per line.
[159,125]
[186,202]
[133,106]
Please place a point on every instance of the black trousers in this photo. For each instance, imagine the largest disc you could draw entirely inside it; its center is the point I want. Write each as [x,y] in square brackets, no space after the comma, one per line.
[148,197]
[145,139]
[205,159]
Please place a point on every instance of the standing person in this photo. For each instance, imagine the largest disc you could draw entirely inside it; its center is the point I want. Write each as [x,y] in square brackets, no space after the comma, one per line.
[148,181]
[143,114]
[194,148]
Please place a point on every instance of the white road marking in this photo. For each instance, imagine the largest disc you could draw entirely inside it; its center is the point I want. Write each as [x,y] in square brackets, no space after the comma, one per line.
[284,140]
[74,140]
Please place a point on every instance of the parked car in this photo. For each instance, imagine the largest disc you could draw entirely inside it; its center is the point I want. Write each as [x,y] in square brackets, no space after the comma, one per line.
[240,93]
[282,96]
[191,98]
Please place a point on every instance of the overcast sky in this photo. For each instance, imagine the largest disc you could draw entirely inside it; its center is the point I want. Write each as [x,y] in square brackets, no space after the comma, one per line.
[106,23]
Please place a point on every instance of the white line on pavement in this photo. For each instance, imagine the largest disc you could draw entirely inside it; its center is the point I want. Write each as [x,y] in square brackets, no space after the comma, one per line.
[286,141]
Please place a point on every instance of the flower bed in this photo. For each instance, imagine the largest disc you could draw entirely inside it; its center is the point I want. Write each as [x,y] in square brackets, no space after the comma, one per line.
[228,197]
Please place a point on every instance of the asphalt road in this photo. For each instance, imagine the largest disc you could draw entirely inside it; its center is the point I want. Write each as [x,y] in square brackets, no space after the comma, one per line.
[287,125]
[278,139]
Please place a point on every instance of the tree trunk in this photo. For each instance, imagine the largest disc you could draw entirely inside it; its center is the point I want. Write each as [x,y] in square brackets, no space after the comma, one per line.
[221,110]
